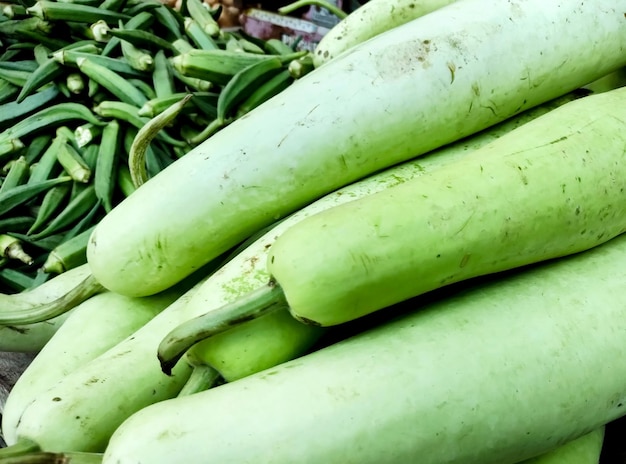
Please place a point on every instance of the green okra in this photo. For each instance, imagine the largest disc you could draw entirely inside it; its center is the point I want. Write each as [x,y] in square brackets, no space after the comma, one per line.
[171,20]
[106,165]
[10,146]
[13,111]
[19,65]
[130,114]
[15,224]
[56,11]
[162,77]
[53,200]
[14,76]
[86,133]
[90,155]
[68,254]
[37,146]
[113,5]
[11,248]
[142,20]
[73,163]
[119,65]
[75,83]
[17,175]
[47,164]
[124,181]
[71,213]
[155,106]
[265,91]
[7,90]
[150,130]
[143,39]
[53,115]
[47,72]
[22,193]
[112,81]
[144,87]
[138,58]
[16,280]
[198,36]
[198,10]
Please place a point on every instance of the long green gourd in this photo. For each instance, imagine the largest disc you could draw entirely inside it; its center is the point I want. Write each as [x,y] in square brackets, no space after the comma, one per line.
[92,328]
[368,20]
[497,373]
[132,366]
[450,73]
[277,337]
[552,187]
[586,449]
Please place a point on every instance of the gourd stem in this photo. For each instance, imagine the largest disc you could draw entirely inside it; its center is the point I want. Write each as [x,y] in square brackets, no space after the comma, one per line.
[20,448]
[42,312]
[257,303]
[202,378]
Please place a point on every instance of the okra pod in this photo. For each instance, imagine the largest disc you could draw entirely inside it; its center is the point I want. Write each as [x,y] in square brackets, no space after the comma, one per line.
[106,164]
[68,254]
[11,248]
[23,193]
[113,82]
[17,175]
[37,146]
[73,163]
[53,200]
[56,11]
[73,212]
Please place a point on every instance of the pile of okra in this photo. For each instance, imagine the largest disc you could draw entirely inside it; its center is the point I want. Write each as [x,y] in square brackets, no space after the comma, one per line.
[98,96]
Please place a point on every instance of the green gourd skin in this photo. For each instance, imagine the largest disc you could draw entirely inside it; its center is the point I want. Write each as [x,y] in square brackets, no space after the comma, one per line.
[244,350]
[429,82]
[554,186]
[93,327]
[508,369]
[582,450]
[368,20]
[262,343]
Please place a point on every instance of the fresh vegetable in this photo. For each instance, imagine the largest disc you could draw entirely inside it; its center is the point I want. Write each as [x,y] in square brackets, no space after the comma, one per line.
[244,350]
[30,338]
[262,343]
[370,19]
[582,450]
[496,373]
[93,327]
[437,230]
[50,299]
[76,76]
[552,187]
[102,392]
[399,95]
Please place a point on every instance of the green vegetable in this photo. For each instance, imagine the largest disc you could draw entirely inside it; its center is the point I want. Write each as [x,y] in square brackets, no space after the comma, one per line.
[370,19]
[246,349]
[93,327]
[20,311]
[90,411]
[582,450]
[549,188]
[500,372]
[321,132]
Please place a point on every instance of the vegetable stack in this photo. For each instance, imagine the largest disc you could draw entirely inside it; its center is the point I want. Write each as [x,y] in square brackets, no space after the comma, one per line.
[412,254]
[97,97]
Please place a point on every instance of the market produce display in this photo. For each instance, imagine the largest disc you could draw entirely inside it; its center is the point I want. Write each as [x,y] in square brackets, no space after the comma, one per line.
[405,246]
[105,95]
